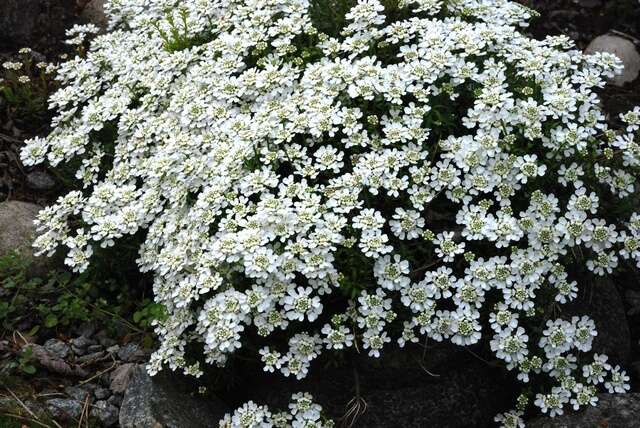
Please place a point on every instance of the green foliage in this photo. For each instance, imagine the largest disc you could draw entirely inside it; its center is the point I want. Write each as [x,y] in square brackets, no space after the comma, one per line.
[178,37]
[64,299]
[22,364]
[148,312]
[25,88]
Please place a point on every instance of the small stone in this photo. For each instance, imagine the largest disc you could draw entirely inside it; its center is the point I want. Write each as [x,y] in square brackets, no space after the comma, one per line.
[82,342]
[78,351]
[102,393]
[623,49]
[131,352]
[57,348]
[40,181]
[63,408]
[120,378]
[78,393]
[94,348]
[90,357]
[115,399]
[106,413]
[113,349]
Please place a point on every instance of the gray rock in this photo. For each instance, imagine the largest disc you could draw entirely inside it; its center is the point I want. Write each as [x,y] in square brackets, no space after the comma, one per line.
[64,408]
[120,378]
[94,13]
[101,393]
[82,342]
[612,411]
[600,300]
[90,357]
[167,400]
[115,399]
[40,180]
[57,348]
[623,49]
[78,393]
[78,351]
[402,389]
[94,348]
[106,413]
[113,349]
[24,21]
[17,231]
[131,352]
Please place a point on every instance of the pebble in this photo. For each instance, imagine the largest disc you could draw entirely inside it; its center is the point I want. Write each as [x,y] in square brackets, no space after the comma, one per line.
[78,351]
[78,393]
[57,348]
[115,399]
[64,408]
[105,412]
[102,393]
[131,352]
[90,357]
[94,348]
[113,349]
[82,342]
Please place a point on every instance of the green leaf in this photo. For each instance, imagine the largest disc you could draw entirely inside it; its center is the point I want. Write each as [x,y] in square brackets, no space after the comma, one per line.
[51,321]
[29,369]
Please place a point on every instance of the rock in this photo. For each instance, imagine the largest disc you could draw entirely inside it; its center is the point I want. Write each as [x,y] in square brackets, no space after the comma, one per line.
[600,300]
[94,348]
[82,342]
[63,408]
[115,399]
[131,352]
[623,49]
[106,413]
[24,21]
[17,232]
[101,393]
[612,411]
[78,393]
[113,349]
[90,357]
[461,392]
[120,378]
[57,348]
[167,400]
[78,351]
[94,13]
[40,181]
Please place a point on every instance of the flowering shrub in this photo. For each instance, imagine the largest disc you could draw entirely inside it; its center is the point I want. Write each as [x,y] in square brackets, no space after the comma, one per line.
[350,173]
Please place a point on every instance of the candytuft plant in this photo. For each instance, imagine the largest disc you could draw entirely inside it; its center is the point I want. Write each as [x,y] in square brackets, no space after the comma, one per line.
[370,172]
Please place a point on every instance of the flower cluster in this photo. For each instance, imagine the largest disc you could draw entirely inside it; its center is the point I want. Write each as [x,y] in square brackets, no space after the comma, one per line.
[302,413]
[436,175]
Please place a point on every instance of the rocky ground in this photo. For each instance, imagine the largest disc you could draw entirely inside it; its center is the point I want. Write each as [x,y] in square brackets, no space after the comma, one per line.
[89,375]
